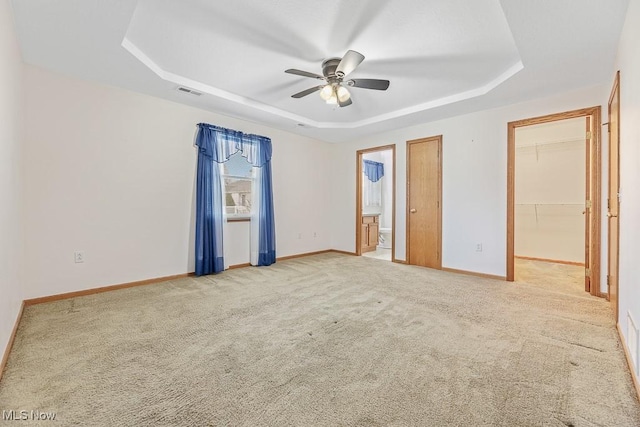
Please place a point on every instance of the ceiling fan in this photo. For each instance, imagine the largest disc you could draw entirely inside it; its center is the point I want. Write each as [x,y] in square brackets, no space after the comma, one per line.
[334,71]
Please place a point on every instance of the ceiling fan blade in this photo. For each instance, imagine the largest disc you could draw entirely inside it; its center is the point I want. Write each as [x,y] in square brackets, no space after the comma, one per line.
[345,103]
[307,92]
[349,62]
[304,73]
[369,84]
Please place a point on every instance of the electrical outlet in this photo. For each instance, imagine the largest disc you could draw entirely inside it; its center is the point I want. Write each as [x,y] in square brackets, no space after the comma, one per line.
[78,256]
[299,235]
[478,247]
[315,234]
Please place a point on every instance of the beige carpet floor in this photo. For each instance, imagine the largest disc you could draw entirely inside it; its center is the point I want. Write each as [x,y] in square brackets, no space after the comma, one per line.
[326,340]
[551,276]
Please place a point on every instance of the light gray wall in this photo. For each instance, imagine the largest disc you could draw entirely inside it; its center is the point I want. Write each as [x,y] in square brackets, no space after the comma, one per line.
[112,173]
[11,91]
[474,180]
[629,277]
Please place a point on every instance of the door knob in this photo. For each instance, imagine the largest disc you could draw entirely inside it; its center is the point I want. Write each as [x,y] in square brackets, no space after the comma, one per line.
[610,215]
[413,211]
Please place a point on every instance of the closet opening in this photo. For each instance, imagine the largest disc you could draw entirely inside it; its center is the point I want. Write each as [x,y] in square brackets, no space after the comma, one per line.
[553,212]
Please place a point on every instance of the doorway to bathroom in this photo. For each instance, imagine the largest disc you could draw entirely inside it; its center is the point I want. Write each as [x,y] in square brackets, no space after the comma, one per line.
[375,202]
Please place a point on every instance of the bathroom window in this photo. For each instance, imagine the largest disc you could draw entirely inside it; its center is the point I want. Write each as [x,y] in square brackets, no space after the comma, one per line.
[238,179]
[372,193]
[373,173]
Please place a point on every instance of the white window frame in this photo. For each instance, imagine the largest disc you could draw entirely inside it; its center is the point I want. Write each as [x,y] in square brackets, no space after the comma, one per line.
[251,179]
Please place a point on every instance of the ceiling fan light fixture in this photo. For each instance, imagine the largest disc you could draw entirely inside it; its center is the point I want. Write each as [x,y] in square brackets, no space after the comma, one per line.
[343,93]
[329,94]
[326,92]
[333,100]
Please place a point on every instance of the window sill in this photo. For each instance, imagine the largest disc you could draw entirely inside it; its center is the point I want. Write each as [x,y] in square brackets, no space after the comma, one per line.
[238,219]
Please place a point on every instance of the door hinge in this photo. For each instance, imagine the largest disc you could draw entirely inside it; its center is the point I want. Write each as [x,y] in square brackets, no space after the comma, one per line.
[587,272]
[608,280]
[587,204]
[589,135]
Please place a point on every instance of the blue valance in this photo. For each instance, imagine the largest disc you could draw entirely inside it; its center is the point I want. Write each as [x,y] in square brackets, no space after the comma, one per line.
[373,170]
[218,144]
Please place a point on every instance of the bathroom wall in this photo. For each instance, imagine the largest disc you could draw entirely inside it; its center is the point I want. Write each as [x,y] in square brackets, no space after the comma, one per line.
[387,190]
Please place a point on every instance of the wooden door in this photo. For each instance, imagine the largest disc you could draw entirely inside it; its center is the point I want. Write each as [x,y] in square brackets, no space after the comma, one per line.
[424,204]
[613,202]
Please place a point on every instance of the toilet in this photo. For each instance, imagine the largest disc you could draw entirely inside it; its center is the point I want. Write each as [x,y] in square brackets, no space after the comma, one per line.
[384,239]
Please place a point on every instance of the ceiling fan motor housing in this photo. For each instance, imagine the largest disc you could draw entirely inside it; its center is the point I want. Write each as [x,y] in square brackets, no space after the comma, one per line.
[329,67]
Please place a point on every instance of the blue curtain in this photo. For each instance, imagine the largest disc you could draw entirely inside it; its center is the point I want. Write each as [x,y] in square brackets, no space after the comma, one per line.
[209,257]
[373,170]
[217,144]
[267,229]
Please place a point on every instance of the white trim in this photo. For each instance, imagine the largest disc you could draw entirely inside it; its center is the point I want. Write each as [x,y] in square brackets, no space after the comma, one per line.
[247,102]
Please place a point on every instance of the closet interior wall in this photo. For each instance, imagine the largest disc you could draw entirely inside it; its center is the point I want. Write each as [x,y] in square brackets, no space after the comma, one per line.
[550,191]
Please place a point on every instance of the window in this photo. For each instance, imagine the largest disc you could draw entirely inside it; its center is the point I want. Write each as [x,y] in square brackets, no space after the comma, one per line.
[237,174]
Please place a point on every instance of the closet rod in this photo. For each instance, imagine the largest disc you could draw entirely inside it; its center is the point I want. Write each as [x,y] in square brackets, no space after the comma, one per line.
[536,205]
[549,204]
[538,144]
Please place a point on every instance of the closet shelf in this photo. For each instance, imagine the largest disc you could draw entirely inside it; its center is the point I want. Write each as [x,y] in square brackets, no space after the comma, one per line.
[541,144]
[538,145]
[538,205]
[549,204]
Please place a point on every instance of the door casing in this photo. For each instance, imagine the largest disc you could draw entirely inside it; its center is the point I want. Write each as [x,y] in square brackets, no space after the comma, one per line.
[359,154]
[594,171]
[613,202]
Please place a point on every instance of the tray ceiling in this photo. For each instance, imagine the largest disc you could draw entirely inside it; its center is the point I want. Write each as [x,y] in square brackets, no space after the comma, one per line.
[443,57]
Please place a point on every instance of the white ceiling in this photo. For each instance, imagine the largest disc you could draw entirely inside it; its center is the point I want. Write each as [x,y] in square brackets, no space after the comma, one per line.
[443,57]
